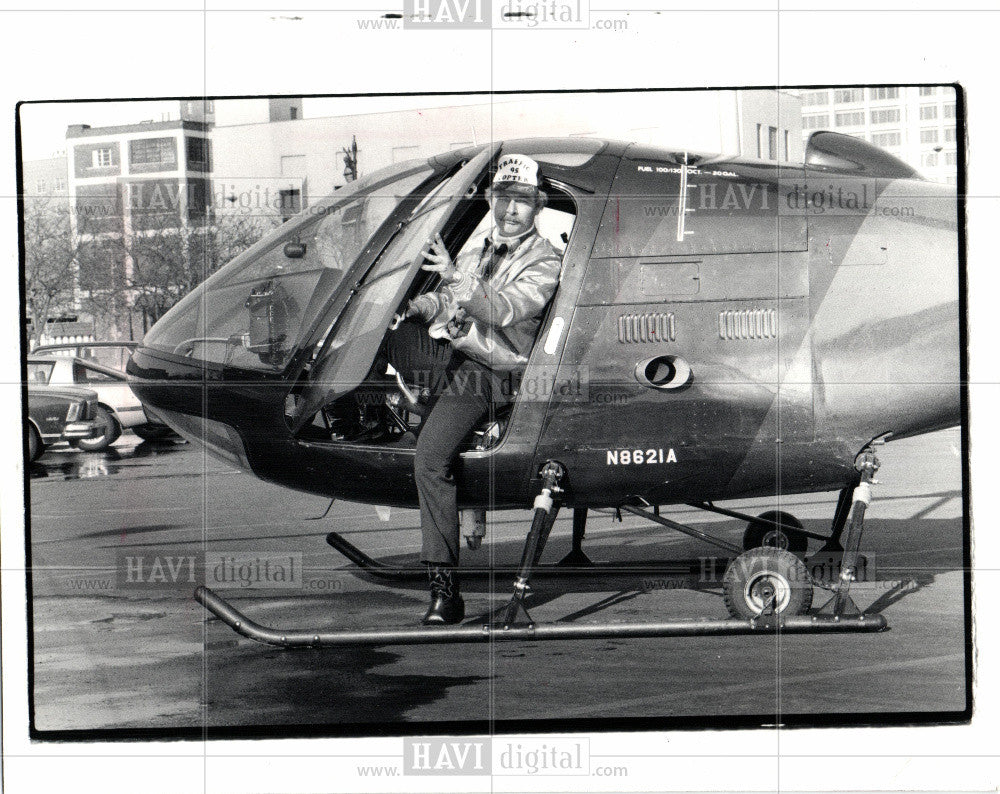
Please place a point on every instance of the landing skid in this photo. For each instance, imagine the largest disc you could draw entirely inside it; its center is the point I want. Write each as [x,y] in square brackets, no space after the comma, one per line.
[767,590]
[474,632]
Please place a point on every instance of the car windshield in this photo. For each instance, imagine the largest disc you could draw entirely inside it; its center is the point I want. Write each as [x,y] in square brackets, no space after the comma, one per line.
[251,313]
[39,372]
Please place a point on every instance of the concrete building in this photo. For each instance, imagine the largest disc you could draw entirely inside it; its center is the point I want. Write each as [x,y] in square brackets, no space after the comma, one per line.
[916,123]
[280,166]
[132,183]
[46,178]
[136,176]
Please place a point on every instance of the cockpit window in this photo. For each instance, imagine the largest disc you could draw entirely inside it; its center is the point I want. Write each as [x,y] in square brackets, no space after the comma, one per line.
[256,305]
[351,343]
[393,270]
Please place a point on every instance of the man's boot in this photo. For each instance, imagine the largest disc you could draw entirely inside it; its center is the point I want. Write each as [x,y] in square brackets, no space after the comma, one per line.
[447,606]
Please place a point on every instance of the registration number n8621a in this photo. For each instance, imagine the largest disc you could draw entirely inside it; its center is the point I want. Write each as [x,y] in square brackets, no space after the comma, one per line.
[638,457]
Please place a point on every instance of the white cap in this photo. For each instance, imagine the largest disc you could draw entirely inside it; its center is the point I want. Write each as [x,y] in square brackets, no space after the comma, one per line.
[516,169]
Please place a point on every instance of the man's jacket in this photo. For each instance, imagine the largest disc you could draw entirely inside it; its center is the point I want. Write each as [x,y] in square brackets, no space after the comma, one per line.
[494,321]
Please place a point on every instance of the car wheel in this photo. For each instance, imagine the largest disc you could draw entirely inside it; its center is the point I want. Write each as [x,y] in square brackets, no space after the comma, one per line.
[151,432]
[109,432]
[35,445]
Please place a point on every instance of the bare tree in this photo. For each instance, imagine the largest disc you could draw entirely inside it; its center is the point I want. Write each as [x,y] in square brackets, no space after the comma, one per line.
[147,268]
[235,232]
[164,260]
[50,253]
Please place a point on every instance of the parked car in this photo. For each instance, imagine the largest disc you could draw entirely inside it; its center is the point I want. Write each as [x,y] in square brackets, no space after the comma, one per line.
[117,408]
[60,414]
[108,354]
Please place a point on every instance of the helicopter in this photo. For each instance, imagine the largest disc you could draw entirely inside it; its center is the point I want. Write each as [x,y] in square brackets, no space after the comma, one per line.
[723,328]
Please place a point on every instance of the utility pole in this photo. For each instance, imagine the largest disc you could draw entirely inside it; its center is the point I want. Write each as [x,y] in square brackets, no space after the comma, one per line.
[351,160]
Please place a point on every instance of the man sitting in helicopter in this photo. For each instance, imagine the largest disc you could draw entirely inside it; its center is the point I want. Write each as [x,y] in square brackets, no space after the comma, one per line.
[468,342]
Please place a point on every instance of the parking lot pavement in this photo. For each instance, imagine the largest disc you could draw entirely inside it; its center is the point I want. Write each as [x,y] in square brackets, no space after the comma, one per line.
[110,654]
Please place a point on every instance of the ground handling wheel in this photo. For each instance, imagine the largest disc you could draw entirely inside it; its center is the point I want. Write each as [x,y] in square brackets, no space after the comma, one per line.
[766,581]
[759,533]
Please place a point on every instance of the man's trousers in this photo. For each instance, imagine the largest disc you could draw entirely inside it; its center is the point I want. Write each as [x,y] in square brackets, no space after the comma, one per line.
[463,393]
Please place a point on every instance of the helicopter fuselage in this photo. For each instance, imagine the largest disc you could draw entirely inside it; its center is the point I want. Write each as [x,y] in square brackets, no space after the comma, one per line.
[722,329]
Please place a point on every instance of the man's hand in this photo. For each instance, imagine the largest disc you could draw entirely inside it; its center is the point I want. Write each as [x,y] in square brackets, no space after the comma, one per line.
[413,309]
[423,307]
[439,260]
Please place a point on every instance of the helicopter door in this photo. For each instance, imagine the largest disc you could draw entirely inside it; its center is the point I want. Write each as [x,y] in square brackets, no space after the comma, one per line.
[352,342]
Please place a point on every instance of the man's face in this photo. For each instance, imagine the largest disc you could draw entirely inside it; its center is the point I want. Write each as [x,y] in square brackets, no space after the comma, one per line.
[514,209]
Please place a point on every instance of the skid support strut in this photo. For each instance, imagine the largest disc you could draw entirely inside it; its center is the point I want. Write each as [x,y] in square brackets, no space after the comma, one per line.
[841,603]
[840,516]
[545,516]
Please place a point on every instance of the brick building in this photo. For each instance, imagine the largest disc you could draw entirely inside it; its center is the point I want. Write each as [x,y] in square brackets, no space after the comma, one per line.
[138,191]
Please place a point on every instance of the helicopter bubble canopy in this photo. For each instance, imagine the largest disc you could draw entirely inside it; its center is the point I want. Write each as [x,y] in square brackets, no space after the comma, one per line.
[254,313]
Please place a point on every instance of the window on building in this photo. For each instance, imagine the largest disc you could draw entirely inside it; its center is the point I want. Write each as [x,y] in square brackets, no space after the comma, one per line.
[155,204]
[950,135]
[293,113]
[928,112]
[291,203]
[928,136]
[60,183]
[949,111]
[883,93]
[885,116]
[816,121]
[199,201]
[153,151]
[951,158]
[98,208]
[102,158]
[198,153]
[293,166]
[788,153]
[210,106]
[760,142]
[849,95]
[401,153]
[772,143]
[929,159]
[928,90]
[815,98]
[886,138]
[40,186]
[855,118]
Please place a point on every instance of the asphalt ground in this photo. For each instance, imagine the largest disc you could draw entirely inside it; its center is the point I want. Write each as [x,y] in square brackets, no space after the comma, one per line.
[120,655]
